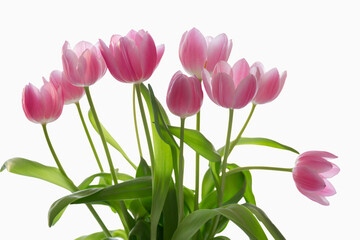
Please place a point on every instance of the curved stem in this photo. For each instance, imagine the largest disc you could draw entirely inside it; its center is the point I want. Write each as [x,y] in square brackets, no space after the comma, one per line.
[135,123]
[89,206]
[146,128]
[181,172]
[240,169]
[88,136]
[197,169]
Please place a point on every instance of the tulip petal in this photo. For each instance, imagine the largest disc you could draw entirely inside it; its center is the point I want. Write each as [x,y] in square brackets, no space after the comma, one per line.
[223,89]
[268,89]
[179,95]
[332,172]
[148,56]
[257,69]
[322,154]
[217,51]
[206,79]
[159,53]
[315,197]
[318,164]
[241,70]
[307,179]
[223,67]
[197,96]
[329,189]
[108,55]
[31,103]
[244,92]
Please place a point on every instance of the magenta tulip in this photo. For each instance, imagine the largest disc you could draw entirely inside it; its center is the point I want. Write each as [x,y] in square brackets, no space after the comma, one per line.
[184,97]
[72,94]
[83,65]
[44,105]
[133,58]
[270,83]
[197,53]
[230,87]
[310,175]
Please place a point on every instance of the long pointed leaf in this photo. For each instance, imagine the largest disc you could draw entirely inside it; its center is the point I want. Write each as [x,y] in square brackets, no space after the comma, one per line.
[106,176]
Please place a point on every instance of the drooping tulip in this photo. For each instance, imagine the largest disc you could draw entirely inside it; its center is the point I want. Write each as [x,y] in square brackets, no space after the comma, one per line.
[230,87]
[44,105]
[72,94]
[270,83]
[184,97]
[310,175]
[197,53]
[83,65]
[133,58]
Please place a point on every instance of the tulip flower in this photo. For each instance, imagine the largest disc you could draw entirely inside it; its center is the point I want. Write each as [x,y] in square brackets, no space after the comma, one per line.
[72,94]
[310,175]
[197,53]
[83,65]
[230,87]
[184,96]
[270,83]
[133,58]
[44,105]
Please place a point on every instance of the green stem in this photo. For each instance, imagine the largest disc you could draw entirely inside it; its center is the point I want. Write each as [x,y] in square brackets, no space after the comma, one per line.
[240,169]
[146,128]
[181,172]
[88,136]
[197,169]
[74,188]
[135,123]
[98,125]
[233,143]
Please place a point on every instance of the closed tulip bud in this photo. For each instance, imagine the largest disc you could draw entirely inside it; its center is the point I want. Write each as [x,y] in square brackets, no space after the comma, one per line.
[71,93]
[230,87]
[218,49]
[310,175]
[270,83]
[133,58]
[44,105]
[83,65]
[184,97]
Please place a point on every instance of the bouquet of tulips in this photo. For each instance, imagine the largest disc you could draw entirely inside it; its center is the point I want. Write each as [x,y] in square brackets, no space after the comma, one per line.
[154,203]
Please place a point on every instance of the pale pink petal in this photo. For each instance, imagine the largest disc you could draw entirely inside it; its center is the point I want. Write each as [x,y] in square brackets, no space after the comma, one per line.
[241,70]
[179,95]
[307,179]
[315,196]
[223,89]
[70,66]
[80,47]
[332,172]
[244,92]
[322,154]
[114,41]
[281,83]
[31,103]
[206,79]
[217,51]
[316,163]
[123,60]
[223,67]
[257,69]
[329,189]
[269,86]
[159,53]
[108,56]
[197,96]
[148,56]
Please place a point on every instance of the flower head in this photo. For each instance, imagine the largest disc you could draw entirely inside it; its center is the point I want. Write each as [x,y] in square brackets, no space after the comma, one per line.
[83,65]
[72,94]
[133,58]
[44,105]
[310,175]
[184,96]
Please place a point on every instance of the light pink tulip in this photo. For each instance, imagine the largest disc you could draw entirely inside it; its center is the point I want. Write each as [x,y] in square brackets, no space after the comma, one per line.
[310,175]
[197,53]
[83,65]
[72,94]
[270,83]
[230,87]
[133,58]
[184,97]
[44,105]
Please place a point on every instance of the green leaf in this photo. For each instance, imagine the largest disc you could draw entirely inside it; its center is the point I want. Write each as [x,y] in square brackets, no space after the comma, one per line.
[261,142]
[260,214]
[100,235]
[143,169]
[34,169]
[105,176]
[110,139]
[198,143]
[238,214]
[141,231]
[221,238]
[170,213]
[207,184]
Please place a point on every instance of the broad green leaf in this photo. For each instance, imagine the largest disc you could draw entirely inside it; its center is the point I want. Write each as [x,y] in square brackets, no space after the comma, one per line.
[141,231]
[260,214]
[100,235]
[261,142]
[110,139]
[34,169]
[170,213]
[198,143]
[143,169]
[238,214]
[207,184]
[163,162]
[106,176]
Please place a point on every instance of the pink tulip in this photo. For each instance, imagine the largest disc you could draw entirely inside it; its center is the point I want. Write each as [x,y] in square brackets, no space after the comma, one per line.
[83,65]
[197,53]
[310,175]
[44,105]
[72,94]
[133,58]
[184,96]
[230,87]
[270,83]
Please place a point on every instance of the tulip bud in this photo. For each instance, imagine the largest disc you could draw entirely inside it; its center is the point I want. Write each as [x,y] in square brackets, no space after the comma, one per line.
[72,94]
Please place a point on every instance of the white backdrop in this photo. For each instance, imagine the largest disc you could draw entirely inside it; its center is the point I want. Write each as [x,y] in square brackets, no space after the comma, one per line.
[317,42]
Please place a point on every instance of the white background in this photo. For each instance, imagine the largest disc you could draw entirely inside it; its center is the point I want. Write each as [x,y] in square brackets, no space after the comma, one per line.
[317,42]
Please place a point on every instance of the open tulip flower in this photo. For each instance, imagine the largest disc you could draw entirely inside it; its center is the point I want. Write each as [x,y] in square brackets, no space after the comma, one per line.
[133,58]
[153,203]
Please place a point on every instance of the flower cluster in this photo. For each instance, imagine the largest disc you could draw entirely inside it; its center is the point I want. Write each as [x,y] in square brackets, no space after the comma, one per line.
[154,204]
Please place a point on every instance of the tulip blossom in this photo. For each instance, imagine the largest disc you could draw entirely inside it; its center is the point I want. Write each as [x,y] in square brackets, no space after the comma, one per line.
[230,87]
[270,83]
[197,53]
[44,105]
[184,96]
[83,65]
[310,175]
[133,58]
[72,94]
